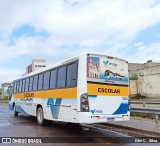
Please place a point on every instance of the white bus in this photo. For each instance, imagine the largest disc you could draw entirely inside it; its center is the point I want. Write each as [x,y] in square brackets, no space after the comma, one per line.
[77,90]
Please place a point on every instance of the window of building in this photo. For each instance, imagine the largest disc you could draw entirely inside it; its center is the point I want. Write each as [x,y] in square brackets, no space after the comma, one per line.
[27,84]
[30,83]
[40,81]
[23,86]
[61,77]
[39,65]
[71,75]
[35,65]
[35,82]
[46,80]
[43,66]
[20,86]
[53,79]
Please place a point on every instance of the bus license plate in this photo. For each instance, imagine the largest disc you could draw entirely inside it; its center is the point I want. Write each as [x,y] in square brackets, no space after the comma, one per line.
[110,119]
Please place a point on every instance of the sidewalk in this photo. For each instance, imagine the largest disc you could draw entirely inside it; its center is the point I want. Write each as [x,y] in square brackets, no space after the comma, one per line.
[140,125]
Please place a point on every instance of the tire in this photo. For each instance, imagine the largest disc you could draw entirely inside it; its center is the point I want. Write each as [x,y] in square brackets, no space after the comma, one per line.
[15,112]
[40,116]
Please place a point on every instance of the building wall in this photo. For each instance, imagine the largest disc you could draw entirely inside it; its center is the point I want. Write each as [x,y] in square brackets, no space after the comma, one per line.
[133,87]
[29,69]
[149,81]
[36,64]
[133,67]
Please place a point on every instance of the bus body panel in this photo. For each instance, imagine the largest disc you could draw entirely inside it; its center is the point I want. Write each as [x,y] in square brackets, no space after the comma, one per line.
[82,80]
[54,108]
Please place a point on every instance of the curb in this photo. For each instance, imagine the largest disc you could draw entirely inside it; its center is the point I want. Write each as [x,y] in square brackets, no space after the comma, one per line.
[140,131]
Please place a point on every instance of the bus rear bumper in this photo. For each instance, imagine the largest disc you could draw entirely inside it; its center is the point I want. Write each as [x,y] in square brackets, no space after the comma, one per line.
[89,119]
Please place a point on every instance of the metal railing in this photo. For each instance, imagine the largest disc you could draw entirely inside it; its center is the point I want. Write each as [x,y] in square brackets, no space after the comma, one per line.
[145,102]
[154,111]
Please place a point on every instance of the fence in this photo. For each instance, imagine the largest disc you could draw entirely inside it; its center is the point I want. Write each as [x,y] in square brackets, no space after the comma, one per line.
[154,111]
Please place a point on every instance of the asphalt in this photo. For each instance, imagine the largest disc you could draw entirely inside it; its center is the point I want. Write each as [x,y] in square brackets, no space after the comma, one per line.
[140,125]
[26,126]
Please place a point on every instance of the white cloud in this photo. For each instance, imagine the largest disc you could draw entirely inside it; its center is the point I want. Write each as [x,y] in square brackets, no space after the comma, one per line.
[145,53]
[86,23]
[8,75]
[107,26]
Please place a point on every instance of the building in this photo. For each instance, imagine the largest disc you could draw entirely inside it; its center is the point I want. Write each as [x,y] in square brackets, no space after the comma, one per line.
[36,64]
[5,91]
[92,69]
[147,81]
[133,67]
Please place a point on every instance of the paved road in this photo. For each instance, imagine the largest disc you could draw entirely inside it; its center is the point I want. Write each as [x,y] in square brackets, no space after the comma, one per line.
[26,126]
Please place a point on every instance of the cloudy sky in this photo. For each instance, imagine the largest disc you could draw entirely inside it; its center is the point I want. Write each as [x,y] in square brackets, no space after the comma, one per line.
[58,29]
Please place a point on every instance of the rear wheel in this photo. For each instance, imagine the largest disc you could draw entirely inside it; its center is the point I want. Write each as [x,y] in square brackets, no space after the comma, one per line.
[40,116]
[15,112]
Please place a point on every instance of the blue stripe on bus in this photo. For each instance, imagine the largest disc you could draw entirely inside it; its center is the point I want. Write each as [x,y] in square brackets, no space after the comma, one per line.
[122,109]
[19,109]
[57,107]
[58,101]
[51,103]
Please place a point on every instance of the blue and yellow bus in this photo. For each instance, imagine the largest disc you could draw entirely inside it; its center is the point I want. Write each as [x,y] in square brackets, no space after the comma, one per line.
[87,88]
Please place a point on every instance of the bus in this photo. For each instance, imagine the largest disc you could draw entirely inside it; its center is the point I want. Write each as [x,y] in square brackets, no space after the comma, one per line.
[88,88]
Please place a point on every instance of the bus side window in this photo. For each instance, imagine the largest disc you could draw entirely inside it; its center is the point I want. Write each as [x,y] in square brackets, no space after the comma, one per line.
[23,85]
[17,89]
[53,79]
[71,75]
[40,81]
[26,86]
[46,80]
[61,77]
[35,82]
[15,86]
[30,83]
[20,86]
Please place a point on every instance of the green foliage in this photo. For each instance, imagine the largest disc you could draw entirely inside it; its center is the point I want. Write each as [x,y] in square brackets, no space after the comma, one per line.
[133,77]
[6,98]
[143,115]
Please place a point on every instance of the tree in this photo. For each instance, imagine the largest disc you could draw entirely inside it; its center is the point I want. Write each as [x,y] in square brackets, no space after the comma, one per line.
[133,77]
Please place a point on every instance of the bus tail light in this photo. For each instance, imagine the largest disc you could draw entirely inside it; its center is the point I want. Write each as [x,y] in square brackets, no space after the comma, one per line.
[84,103]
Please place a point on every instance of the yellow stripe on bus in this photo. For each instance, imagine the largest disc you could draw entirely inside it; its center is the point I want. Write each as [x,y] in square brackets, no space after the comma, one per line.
[107,90]
[56,93]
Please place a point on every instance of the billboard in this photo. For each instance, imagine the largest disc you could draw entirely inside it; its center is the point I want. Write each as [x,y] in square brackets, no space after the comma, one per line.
[107,69]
